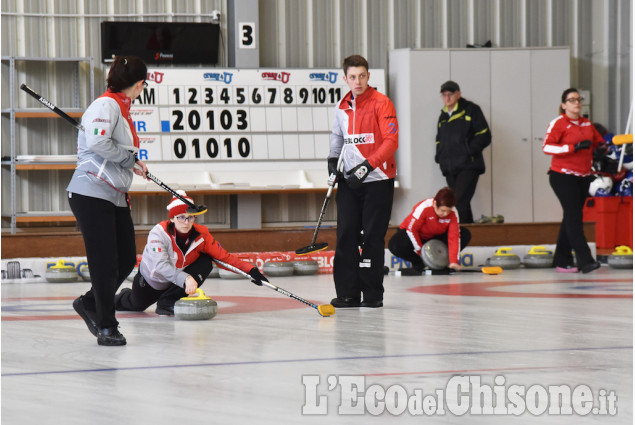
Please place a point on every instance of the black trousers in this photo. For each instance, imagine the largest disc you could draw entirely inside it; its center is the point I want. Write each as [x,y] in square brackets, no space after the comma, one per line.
[111,252]
[463,183]
[572,192]
[143,295]
[366,209]
[401,246]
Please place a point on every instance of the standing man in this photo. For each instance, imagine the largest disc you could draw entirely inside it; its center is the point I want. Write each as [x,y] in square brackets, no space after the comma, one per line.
[462,134]
[365,136]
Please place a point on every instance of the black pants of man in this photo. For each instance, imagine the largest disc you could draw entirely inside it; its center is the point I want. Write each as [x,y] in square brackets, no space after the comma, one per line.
[111,252]
[401,246]
[143,295]
[463,183]
[365,209]
[572,192]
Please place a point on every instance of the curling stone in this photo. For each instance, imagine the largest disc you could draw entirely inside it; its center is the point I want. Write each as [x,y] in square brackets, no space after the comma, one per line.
[84,273]
[228,274]
[195,307]
[504,258]
[538,257]
[305,268]
[435,254]
[622,258]
[215,274]
[61,273]
[278,268]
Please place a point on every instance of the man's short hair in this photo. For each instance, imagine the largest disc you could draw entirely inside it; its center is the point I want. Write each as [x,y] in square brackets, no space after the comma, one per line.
[450,86]
[354,60]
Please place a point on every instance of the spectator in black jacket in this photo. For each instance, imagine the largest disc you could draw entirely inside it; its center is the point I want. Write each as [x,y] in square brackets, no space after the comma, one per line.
[462,134]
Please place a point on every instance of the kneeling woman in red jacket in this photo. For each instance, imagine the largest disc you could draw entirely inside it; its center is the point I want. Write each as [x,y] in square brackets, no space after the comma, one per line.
[433,218]
[176,260]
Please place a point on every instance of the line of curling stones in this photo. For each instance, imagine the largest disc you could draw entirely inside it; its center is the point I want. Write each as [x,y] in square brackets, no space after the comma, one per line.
[274,269]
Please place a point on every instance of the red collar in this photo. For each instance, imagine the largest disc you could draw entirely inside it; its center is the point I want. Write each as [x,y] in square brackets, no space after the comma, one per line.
[124,103]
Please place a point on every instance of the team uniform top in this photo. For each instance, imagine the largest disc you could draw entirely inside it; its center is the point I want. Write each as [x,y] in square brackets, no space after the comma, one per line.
[163,261]
[105,150]
[562,135]
[423,224]
[366,128]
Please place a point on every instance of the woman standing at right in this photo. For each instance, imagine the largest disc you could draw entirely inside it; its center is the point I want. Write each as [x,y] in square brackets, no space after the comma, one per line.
[570,140]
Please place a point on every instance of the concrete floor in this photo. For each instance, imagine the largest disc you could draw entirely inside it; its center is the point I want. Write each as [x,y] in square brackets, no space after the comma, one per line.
[268,359]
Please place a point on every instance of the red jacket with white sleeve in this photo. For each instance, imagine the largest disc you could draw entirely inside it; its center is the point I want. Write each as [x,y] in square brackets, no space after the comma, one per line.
[423,224]
[365,128]
[562,135]
[163,261]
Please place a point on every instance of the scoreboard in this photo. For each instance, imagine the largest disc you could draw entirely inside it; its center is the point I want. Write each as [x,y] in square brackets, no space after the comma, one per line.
[197,114]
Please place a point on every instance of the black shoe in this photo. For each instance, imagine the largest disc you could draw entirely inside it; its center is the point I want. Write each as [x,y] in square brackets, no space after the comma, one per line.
[344,302]
[372,303]
[80,308]
[118,298]
[590,267]
[110,336]
[411,272]
[164,310]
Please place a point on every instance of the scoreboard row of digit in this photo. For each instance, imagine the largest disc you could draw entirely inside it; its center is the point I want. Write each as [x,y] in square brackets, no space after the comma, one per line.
[218,114]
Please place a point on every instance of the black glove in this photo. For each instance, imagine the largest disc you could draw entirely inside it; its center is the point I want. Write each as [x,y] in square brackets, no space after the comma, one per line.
[257,277]
[334,174]
[585,144]
[358,175]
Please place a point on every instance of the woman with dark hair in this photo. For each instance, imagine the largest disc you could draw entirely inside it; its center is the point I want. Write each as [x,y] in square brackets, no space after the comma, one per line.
[433,218]
[570,140]
[98,196]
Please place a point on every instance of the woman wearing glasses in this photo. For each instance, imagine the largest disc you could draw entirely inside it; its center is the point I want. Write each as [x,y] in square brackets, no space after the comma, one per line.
[176,260]
[98,195]
[570,141]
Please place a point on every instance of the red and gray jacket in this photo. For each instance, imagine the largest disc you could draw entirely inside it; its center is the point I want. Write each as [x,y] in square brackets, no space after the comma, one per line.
[423,224]
[562,135]
[163,261]
[365,128]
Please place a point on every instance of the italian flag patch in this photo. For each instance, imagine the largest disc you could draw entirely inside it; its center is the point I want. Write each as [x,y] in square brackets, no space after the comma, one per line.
[156,249]
[100,132]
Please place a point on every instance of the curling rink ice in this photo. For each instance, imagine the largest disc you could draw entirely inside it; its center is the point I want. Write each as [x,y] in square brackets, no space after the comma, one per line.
[439,352]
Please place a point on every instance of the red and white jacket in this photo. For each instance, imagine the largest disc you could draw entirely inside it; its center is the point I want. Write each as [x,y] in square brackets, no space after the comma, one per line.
[163,261]
[423,224]
[365,128]
[562,135]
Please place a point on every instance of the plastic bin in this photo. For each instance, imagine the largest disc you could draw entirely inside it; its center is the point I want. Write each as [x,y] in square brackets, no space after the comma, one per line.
[613,217]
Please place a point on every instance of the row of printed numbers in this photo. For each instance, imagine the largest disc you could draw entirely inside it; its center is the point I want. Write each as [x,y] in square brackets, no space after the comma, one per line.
[249,95]
[193,120]
[212,148]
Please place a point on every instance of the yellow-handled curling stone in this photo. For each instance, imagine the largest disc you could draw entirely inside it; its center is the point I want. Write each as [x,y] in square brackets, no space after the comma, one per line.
[504,258]
[195,307]
[622,258]
[538,257]
[61,273]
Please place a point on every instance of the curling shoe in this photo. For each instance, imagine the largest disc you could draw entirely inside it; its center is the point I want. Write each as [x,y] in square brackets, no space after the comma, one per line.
[411,271]
[164,310]
[110,336]
[590,267]
[567,269]
[344,302]
[372,303]
[80,308]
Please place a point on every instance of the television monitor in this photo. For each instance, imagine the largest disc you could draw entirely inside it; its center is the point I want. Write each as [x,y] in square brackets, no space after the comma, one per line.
[184,43]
